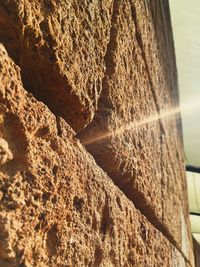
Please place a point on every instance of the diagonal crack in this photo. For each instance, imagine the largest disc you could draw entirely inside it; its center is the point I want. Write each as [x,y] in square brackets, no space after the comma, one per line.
[110,68]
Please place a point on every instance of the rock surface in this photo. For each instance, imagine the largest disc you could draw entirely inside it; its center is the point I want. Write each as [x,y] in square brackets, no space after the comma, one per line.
[108,69]
[5,153]
[60,47]
[135,135]
[58,208]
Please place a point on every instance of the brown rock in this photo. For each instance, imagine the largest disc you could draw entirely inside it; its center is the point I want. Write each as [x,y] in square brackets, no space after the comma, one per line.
[156,42]
[116,57]
[5,153]
[58,207]
[135,133]
[60,47]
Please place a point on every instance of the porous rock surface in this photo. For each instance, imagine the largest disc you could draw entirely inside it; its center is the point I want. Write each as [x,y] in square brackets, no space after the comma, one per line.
[60,47]
[58,208]
[108,69]
[135,135]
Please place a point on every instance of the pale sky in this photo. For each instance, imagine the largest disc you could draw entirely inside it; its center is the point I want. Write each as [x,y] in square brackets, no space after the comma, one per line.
[185,15]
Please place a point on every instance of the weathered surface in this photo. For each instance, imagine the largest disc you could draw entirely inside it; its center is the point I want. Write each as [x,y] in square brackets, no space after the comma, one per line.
[60,47]
[58,208]
[135,135]
[154,35]
[113,60]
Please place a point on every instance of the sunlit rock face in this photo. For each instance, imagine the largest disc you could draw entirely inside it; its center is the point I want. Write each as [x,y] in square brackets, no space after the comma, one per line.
[57,206]
[60,47]
[135,135]
[91,152]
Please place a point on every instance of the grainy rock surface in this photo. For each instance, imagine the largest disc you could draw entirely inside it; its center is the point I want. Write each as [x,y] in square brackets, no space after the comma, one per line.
[58,208]
[108,69]
[60,46]
[136,135]
[5,153]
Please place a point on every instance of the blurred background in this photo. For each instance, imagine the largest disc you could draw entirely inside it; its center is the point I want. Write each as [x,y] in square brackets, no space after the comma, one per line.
[185,16]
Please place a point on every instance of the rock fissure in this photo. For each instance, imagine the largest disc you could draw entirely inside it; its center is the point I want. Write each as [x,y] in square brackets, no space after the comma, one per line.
[152,220]
[55,75]
[92,65]
[106,105]
[112,44]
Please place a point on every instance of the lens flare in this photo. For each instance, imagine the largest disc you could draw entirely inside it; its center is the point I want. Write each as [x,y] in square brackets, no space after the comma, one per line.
[186,109]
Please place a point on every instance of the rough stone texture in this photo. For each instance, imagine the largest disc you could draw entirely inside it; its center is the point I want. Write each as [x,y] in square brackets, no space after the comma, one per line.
[5,153]
[66,43]
[158,53]
[111,60]
[60,47]
[135,135]
[58,208]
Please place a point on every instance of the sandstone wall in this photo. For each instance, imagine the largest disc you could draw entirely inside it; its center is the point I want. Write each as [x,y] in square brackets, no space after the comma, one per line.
[94,175]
